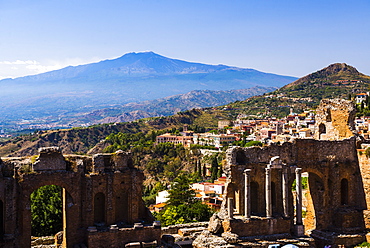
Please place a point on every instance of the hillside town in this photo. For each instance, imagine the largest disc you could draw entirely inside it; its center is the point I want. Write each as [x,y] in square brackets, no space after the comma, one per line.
[267,131]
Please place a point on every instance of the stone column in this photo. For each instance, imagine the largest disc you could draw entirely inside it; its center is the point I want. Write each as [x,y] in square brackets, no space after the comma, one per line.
[298,178]
[247,197]
[285,192]
[268,193]
[230,207]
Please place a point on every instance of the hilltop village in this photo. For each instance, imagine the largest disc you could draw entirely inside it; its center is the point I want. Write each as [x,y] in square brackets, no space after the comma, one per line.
[250,128]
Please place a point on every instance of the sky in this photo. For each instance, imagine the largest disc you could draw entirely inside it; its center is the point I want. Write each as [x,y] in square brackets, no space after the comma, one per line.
[285,37]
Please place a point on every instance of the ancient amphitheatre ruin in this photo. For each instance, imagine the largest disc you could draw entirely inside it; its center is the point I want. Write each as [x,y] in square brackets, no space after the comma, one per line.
[103,207]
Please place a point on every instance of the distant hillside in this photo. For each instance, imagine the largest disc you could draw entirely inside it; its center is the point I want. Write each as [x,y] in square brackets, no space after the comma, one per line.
[133,77]
[337,80]
[169,105]
[81,140]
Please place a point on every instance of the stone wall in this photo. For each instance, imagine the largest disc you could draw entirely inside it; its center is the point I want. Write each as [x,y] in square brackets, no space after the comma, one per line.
[336,191]
[146,235]
[364,162]
[99,191]
[334,119]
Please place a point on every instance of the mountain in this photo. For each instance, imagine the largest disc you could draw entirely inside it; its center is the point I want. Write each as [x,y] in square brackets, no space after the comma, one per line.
[336,80]
[168,105]
[133,77]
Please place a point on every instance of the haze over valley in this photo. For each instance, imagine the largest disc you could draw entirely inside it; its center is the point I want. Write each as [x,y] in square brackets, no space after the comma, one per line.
[133,86]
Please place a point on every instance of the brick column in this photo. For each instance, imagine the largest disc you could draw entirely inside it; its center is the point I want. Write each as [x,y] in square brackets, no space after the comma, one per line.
[268,193]
[230,207]
[298,178]
[247,197]
[285,192]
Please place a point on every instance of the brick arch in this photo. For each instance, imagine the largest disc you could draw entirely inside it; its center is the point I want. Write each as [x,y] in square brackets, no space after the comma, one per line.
[33,182]
[322,129]
[81,178]
[316,189]
[326,162]
[40,182]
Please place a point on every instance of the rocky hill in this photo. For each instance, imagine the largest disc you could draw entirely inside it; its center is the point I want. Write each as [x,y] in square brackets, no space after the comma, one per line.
[335,81]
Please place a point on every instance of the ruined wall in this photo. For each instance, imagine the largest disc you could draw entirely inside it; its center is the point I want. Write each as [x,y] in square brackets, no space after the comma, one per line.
[144,237]
[334,119]
[328,163]
[98,191]
[364,163]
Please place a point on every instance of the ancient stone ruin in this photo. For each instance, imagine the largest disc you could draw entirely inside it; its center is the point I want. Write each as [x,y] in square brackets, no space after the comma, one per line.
[334,119]
[102,204]
[262,207]
[263,203]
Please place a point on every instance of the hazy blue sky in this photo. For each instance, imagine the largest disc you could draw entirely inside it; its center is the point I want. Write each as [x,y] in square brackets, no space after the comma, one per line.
[284,37]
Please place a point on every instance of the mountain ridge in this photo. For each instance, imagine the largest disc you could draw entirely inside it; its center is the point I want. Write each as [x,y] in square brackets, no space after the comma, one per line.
[172,104]
[277,103]
[133,77]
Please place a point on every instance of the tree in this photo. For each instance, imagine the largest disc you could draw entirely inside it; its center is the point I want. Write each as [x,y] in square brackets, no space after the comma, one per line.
[46,210]
[199,169]
[219,174]
[204,171]
[180,193]
[182,207]
[214,168]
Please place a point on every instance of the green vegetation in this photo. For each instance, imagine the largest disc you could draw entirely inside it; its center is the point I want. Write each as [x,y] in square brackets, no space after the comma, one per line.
[81,140]
[244,143]
[161,163]
[182,207]
[304,183]
[363,244]
[335,81]
[215,161]
[164,160]
[363,109]
[150,192]
[46,211]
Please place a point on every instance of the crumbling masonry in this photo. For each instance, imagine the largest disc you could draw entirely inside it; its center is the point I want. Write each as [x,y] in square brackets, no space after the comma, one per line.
[102,205]
[101,199]
[260,200]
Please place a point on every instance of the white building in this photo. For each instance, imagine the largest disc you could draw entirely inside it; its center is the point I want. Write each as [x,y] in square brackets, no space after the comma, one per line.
[162,197]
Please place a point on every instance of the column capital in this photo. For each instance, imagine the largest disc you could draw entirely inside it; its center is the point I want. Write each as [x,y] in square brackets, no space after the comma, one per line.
[298,170]
[247,171]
